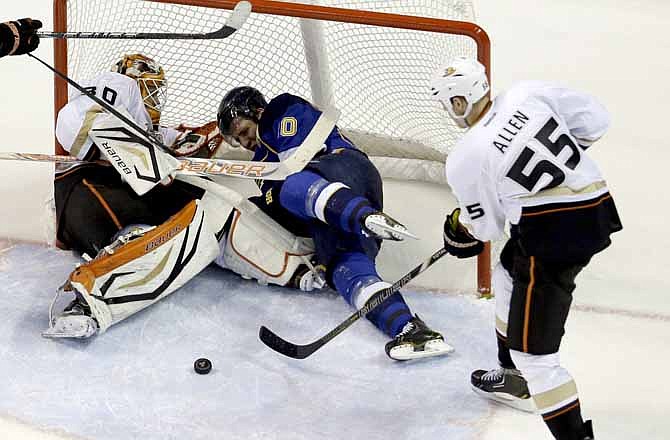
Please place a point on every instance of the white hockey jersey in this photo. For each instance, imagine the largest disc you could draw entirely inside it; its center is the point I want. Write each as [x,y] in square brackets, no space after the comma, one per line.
[527,150]
[75,119]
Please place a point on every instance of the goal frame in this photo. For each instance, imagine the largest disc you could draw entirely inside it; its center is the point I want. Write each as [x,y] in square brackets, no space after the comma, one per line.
[308,11]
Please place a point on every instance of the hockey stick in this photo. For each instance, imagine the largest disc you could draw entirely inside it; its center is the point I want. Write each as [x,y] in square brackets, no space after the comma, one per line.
[295,351]
[190,166]
[233,23]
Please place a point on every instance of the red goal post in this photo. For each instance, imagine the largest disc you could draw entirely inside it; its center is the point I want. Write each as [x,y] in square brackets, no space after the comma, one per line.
[422,24]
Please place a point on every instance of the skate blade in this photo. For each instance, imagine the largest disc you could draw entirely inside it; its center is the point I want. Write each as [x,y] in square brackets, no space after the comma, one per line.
[71,327]
[525,405]
[55,334]
[431,349]
[397,234]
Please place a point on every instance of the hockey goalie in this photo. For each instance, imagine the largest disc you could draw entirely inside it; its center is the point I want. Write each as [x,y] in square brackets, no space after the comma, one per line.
[142,229]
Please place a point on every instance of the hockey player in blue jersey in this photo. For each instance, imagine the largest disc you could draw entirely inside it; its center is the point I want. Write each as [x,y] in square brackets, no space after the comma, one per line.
[337,199]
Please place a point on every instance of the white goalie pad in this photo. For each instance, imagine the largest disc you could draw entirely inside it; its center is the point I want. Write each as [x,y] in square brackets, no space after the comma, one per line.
[258,247]
[140,164]
[137,271]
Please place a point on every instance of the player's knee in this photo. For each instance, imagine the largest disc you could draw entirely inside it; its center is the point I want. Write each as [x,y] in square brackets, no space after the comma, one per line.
[299,192]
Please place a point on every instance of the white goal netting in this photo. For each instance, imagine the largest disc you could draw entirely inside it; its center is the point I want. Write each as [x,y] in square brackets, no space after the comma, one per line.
[377,76]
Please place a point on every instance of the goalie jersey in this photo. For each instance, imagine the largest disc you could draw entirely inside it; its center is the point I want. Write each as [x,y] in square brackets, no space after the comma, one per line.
[525,161]
[75,119]
[284,125]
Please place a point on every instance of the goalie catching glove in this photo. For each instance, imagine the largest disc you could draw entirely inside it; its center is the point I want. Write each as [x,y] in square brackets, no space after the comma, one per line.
[457,240]
[197,141]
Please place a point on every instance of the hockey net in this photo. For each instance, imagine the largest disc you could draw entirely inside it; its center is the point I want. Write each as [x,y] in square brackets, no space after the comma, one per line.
[372,59]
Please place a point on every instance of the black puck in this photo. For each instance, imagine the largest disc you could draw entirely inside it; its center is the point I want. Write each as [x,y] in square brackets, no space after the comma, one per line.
[202,366]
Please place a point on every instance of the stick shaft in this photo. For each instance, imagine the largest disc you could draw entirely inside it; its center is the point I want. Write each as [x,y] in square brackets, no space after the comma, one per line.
[189,166]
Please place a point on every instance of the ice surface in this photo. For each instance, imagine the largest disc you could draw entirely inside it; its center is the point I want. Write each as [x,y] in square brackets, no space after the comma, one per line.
[137,380]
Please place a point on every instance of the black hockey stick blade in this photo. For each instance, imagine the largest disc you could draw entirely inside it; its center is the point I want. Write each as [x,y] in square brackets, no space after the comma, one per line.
[295,351]
[284,347]
[235,21]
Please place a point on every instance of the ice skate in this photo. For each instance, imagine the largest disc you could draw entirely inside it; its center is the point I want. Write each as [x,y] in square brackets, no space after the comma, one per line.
[380,225]
[74,322]
[587,431]
[416,340]
[504,385]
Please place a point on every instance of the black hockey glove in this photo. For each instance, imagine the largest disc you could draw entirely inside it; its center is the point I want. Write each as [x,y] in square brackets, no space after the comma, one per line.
[18,37]
[457,239]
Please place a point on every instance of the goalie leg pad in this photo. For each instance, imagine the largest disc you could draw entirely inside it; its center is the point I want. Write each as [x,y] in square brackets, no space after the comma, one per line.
[135,272]
[258,247]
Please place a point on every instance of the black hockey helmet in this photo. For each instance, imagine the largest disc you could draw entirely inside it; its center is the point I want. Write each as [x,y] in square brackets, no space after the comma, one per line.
[240,101]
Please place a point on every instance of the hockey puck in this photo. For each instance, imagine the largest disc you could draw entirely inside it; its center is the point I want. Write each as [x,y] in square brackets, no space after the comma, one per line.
[202,366]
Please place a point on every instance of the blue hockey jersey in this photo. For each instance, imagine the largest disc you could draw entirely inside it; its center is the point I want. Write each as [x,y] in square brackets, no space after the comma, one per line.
[284,125]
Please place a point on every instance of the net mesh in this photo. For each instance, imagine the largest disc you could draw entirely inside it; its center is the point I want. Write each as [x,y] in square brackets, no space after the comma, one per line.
[377,76]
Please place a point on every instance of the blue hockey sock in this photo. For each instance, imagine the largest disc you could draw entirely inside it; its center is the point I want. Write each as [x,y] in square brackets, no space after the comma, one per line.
[356,278]
[308,195]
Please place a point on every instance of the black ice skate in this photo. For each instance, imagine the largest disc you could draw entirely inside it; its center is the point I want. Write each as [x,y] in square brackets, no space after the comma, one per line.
[380,225]
[587,431]
[416,340]
[504,385]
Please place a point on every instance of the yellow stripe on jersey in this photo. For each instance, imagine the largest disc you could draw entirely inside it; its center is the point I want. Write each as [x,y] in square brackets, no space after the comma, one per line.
[82,136]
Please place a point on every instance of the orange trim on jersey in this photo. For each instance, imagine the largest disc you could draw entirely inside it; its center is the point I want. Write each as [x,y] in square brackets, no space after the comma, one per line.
[104,204]
[563,411]
[232,245]
[87,273]
[573,208]
[529,297]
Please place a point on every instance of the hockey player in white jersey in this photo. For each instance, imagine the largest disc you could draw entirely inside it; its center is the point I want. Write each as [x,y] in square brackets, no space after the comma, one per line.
[144,233]
[523,160]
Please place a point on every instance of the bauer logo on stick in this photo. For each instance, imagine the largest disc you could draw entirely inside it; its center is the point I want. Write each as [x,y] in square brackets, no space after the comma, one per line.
[225,168]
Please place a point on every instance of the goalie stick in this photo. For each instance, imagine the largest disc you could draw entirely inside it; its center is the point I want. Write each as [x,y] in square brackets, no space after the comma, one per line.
[233,23]
[296,351]
[190,166]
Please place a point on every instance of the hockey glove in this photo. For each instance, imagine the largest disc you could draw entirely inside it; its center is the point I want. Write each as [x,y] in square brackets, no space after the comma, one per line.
[18,37]
[457,240]
[197,141]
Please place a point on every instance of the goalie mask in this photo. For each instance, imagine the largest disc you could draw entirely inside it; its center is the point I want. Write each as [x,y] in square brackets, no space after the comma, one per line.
[150,78]
[242,102]
[464,77]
